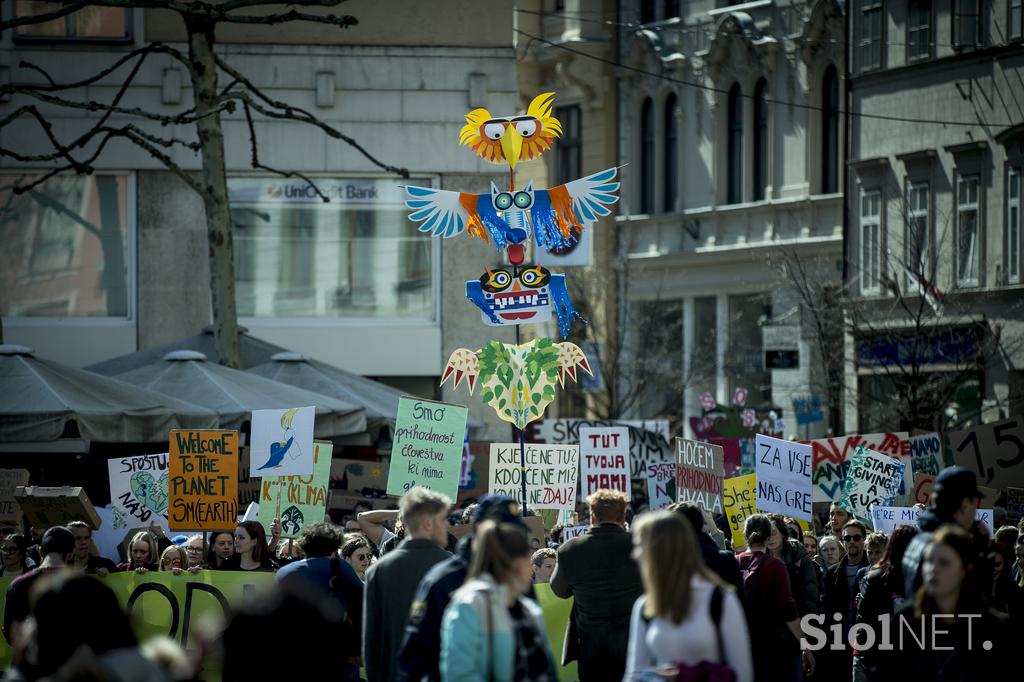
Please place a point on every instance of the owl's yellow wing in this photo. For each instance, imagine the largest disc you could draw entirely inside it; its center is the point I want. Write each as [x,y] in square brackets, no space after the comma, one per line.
[548,129]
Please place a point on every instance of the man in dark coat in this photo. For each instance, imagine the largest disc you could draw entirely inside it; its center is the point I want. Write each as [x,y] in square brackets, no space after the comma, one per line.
[392,581]
[840,587]
[597,569]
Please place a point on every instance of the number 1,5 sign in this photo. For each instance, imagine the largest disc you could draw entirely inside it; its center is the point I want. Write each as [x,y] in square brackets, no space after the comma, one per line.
[994,451]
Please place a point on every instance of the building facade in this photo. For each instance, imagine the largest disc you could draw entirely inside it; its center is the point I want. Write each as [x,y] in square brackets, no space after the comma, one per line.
[117,260]
[936,303]
[731,126]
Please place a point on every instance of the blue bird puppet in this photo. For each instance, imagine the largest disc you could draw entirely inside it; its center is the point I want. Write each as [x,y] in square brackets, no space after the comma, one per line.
[277,451]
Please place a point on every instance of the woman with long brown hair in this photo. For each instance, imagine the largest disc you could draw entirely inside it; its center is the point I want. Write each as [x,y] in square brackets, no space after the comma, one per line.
[686,608]
[251,550]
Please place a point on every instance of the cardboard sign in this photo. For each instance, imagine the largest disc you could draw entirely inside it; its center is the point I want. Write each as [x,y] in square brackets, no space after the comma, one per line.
[783,471]
[552,474]
[700,472]
[873,479]
[297,500]
[203,492]
[994,451]
[282,442]
[926,454]
[832,458]
[360,476]
[661,485]
[138,490]
[46,507]
[1015,502]
[923,484]
[570,532]
[740,496]
[886,519]
[427,447]
[648,439]
[604,452]
[10,512]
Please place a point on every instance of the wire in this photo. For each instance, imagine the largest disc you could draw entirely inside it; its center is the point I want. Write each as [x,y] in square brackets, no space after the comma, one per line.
[767,100]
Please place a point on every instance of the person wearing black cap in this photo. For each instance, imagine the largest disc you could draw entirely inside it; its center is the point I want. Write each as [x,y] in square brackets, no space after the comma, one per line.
[56,549]
[598,570]
[420,655]
[955,498]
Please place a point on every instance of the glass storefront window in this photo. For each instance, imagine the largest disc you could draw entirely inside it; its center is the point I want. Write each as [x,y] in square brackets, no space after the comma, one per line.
[357,256]
[744,364]
[65,246]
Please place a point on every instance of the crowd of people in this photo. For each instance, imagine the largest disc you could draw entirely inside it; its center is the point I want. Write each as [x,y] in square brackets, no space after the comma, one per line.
[391,595]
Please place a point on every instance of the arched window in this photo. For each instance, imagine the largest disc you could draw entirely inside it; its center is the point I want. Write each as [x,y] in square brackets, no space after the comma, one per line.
[830,131]
[760,139]
[735,151]
[671,188]
[647,157]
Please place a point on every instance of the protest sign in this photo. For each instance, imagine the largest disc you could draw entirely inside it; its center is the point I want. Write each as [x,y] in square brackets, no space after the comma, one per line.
[648,439]
[739,495]
[873,479]
[297,500]
[923,484]
[1015,502]
[556,618]
[282,442]
[570,532]
[701,469]
[783,471]
[604,453]
[203,490]
[56,506]
[832,458]
[886,519]
[994,451]
[552,474]
[661,485]
[10,512]
[138,490]
[988,496]
[926,454]
[427,447]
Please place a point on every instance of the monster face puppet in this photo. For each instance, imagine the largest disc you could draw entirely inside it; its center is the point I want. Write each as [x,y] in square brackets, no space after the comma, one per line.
[507,296]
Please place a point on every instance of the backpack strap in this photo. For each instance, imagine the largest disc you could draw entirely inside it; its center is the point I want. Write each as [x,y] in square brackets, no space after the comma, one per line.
[716,617]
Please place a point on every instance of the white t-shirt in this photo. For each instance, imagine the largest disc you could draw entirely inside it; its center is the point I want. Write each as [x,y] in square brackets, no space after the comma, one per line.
[660,642]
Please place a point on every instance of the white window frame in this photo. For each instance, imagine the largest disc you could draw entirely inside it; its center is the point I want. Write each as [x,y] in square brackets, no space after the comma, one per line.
[1014,223]
[871,267]
[964,208]
[918,262]
[130,263]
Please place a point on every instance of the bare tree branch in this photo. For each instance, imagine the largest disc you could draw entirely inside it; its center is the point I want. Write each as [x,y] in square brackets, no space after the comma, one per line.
[255,160]
[32,19]
[232,5]
[344,20]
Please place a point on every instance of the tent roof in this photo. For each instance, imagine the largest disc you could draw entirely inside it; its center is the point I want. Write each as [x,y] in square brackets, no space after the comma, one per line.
[40,396]
[234,394]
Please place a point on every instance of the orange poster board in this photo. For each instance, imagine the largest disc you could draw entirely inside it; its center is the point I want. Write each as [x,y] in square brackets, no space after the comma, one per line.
[203,490]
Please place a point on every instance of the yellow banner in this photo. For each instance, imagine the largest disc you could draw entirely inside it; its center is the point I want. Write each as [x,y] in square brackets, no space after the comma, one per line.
[740,497]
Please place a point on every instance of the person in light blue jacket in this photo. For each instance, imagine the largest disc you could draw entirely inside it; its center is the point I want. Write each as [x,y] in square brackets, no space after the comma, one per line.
[489,632]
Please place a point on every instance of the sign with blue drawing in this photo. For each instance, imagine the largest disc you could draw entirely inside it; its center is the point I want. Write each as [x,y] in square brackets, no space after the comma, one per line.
[808,409]
[282,442]
[138,490]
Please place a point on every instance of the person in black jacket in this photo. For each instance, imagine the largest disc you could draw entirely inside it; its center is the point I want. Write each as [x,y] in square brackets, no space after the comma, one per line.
[722,562]
[598,571]
[840,588]
[803,578]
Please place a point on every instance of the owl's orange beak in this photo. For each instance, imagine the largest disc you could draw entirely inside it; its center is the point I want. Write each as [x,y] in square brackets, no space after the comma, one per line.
[512,145]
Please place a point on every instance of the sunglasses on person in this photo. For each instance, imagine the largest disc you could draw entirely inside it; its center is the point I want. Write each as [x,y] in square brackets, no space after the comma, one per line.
[853,538]
[173,563]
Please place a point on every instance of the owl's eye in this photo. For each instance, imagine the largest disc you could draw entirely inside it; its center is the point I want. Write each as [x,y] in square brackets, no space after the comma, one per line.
[530,277]
[523,200]
[494,131]
[526,127]
[503,201]
[496,280]
[534,277]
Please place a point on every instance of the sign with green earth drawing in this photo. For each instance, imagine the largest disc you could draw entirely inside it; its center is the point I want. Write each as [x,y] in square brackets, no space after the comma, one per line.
[138,490]
[297,500]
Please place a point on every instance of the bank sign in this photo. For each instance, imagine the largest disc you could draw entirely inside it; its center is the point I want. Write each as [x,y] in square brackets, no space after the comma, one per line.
[293,192]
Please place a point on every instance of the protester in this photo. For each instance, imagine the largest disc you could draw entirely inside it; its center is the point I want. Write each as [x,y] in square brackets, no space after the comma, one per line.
[837,518]
[719,561]
[810,541]
[1018,567]
[194,550]
[55,549]
[830,552]
[85,559]
[881,591]
[144,553]
[325,573]
[356,551]
[955,497]
[251,550]
[489,631]
[221,548]
[288,552]
[420,652]
[874,547]
[962,638]
[1004,594]
[772,613]
[597,571]
[14,556]
[174,560]
[841,588]
[544,561]
[392,581]
[686,607]
[374,525]
[803,577]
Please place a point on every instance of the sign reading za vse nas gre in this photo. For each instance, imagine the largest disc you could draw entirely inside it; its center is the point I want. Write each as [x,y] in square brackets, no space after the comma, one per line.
[203,490]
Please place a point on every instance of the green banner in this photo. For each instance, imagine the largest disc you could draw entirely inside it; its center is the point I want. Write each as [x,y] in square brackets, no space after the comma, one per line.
[556,618]
[297,500]
[427,449]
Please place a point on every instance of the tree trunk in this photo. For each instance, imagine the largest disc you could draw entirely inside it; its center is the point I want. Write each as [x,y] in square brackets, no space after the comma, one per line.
[215,196]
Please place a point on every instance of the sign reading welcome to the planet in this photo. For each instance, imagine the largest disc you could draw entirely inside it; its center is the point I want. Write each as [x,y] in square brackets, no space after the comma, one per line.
[427,447]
